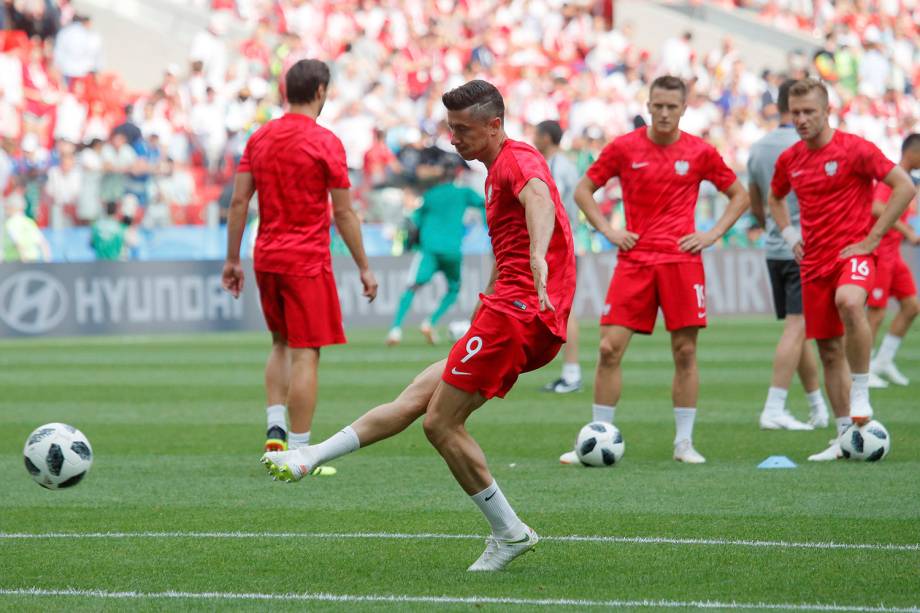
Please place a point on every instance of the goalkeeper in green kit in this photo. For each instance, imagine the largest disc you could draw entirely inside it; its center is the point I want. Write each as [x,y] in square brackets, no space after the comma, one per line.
[440,226]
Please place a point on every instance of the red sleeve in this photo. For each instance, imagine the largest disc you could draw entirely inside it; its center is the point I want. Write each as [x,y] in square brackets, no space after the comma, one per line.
[780,184]
[717,171]
[606,166]
[529,167]
[881,193]
[872,161]
[336,166]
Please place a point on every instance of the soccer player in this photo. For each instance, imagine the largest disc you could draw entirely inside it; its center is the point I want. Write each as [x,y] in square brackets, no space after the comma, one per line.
[294,165]
[792,352]
[832,173]
[519,325]
[893,278]
[546,139]
[658,264]
[440,225]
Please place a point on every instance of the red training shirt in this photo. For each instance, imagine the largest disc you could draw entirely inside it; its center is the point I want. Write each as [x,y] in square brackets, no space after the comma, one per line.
[514,292]
[890,245]
[834,187]
[661,185]
[294,163]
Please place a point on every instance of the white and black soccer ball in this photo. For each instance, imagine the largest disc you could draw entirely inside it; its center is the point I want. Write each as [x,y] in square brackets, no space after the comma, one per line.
[57,456]
[599,444]
[457,329]
[870,442]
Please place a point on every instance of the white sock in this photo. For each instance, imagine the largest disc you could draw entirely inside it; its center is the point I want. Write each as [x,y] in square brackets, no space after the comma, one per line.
[859,389]
[603,412]
[298,440]
[276,415]
[842,424]
[342,442]
[683,421]
[571,373]
[776,400]
[816,401]
[504,521]
[888,349]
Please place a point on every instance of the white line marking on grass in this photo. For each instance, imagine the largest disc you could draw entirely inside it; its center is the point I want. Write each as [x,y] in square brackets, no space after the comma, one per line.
[421,536]
[475,600]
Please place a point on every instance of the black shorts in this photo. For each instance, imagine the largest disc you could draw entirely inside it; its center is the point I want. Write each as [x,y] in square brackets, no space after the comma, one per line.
[787,287]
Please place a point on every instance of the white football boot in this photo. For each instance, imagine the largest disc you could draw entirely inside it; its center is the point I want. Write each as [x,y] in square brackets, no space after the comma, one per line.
[876,382]
[818,417]
[889,371]
[500,552]
[394,337]
[291,466]
[429,332]
[569,458]
[828,455]
[684,452]
[782,421]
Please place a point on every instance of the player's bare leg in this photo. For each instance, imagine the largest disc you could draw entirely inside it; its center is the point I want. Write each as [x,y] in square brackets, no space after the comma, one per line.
[277,378]
[837,383]
[570,379]
[301,399]
[608,379]
[381,422]
[787,358]
[445,427]
[850,301]
[684,393]
[883,364]
[876,316]
[808,375]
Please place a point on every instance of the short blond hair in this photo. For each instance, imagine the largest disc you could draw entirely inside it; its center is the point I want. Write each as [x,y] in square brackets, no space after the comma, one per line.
[803,87]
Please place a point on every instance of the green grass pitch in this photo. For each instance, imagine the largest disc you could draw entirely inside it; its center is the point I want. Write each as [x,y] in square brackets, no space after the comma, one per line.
[177,425]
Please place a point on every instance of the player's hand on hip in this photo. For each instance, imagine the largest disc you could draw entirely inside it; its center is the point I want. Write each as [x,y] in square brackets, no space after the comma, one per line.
[623,239]
[232,278]
[799,251]
[696,242]
[540,272]
[863,247]
[369,281]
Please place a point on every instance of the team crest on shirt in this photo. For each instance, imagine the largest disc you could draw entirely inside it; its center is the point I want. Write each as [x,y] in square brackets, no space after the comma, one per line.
[681,167]
[830,168]
[877,293]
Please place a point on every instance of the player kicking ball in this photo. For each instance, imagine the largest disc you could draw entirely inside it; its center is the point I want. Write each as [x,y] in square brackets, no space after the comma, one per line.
[518,327]
[893,278]
[833,173]
[658,262]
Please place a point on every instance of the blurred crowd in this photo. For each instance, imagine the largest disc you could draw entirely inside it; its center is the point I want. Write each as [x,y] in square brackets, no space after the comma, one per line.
[74,139]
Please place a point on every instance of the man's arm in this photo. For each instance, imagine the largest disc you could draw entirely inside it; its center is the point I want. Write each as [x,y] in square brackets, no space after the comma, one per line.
[349,226]
[540,213]
[584,198]
[906,231]
[779,210]
[757,208]
[737,204]
[243,188]
[902,192]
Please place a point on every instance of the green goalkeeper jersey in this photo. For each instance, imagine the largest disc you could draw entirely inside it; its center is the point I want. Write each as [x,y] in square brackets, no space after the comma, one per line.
[440,218]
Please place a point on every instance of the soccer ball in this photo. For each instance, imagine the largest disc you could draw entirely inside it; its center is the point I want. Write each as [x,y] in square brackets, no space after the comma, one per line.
[599,444]
[870,442]
[57,456]
[458,328]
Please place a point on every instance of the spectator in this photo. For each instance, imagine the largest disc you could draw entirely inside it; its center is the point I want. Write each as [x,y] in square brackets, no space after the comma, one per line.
[89,203]
[108,234]
[63,189]
[78,49]
[22,239]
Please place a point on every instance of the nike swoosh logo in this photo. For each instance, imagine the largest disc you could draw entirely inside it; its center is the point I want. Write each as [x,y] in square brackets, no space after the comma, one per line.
[454,371]
[701,314]
[796,173]
[522,540]
[490,497]
[639,165]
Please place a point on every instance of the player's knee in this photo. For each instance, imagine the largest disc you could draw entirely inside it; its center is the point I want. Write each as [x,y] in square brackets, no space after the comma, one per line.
[684,355]
[831,352]
[911,308]
[435,427]
[850,306]
[610,353]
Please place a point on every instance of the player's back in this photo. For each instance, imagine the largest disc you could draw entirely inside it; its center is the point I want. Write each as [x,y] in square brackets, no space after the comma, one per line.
[761,163]
[294,163]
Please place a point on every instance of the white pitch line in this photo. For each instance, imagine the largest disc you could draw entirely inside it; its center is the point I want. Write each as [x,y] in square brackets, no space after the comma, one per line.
[634,540]
[473,600]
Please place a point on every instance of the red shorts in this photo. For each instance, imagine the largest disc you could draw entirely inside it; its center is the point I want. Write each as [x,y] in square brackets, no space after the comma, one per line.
[819,305]
[892,278]
[637,292]
[303,310]
[496,350]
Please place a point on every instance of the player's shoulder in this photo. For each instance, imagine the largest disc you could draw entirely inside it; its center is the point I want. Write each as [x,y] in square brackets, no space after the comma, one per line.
[629,140]
[692,142]
[519,155]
